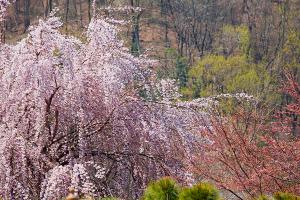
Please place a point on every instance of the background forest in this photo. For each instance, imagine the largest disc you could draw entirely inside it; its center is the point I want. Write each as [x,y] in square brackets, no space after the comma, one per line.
[193,40]
[217,98]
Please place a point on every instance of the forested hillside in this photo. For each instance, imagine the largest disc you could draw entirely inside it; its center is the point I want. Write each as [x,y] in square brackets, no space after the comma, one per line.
[107,96]
[258,39]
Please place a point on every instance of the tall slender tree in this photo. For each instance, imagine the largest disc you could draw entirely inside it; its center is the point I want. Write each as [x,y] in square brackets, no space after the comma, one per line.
[26,14]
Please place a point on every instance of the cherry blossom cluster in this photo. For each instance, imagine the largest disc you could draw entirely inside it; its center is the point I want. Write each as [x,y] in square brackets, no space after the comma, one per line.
[71,114]
[91,116]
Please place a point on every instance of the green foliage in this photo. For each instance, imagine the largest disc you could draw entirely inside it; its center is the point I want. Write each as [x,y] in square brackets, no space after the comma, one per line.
[280,196]
[167,189]
[285,196]
[169,68]
[236,38]
[263,197]
[291,53]
[291,50]
[182,71]
[171,53]
[201,191]
[135,48]
[231,70]
[163,189]
[176,67]
[216,74]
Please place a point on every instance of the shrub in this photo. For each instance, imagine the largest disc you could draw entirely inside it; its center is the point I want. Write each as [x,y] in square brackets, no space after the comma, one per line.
[280,196]
[163,189]
[286,196]
[201,191]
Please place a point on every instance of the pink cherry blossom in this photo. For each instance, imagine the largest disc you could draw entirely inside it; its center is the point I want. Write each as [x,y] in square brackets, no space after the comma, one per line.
[71,114]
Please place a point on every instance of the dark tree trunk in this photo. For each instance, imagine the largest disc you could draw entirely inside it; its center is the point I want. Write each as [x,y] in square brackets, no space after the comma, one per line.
[17,12]
[46,5]
[2,32]
[89,9]
[295,126]
[26,14]
[48,8]
[135,33]
[50,5]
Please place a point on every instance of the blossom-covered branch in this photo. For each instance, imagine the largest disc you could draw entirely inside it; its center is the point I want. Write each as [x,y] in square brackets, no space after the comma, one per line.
[72,115]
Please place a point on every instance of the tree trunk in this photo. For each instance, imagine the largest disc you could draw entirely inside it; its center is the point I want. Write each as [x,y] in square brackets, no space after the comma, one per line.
[50,5]
[2,31]
[135,33]
[75,8]
[89,9]
[80,13]
[17,12]
[26,14]
[66,6]
[295,126]
[46,7]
